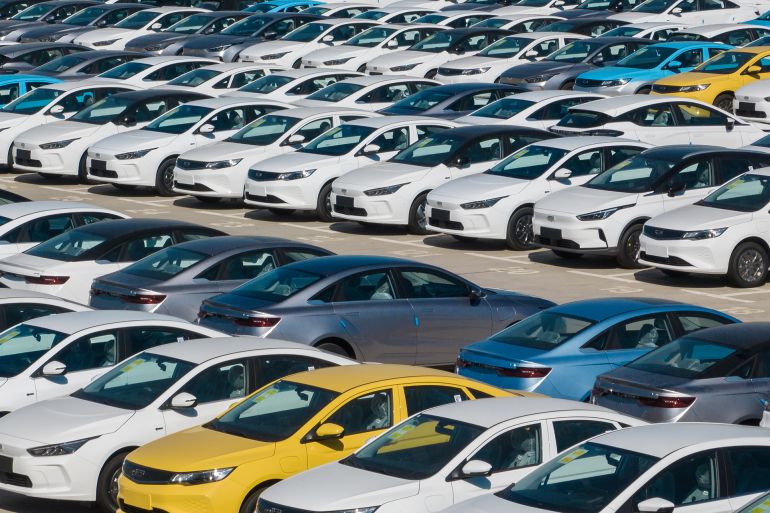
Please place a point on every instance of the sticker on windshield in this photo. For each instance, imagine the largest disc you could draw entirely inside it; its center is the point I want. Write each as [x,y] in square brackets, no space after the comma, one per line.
[9,336]
[763,507]
[401,432]
[573,455]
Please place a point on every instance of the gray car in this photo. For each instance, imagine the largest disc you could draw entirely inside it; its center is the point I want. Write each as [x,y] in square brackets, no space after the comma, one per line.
[372,308]
[719,374]
[175,280]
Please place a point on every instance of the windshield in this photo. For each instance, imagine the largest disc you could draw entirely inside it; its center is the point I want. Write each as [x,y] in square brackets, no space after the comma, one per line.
[307,33]
[625,31]
[430,151]
[374,14]
[415,449]
[277,285]
[505,47]
[438,42]
[725,63]
[265,130]
[263,7]
[246,27]
[335,92]
[104,110]
[32,13]
[543,330]
[528,163]
[190,25]
[371,37]
[22,345]
[195,77]
[85,16]
[647,58]
[596,5]
[179,119]
[637,174]
[33,101]
[275,413]
[137,382]
[685,357]
[266,84]
[504,108]
[137,20]
[575,52]
[583,480]
[338,141]
[125,70]
[533,3]
[61,64]
[747,193]
[422,101]
[68,246]
[654,6]
[166,263]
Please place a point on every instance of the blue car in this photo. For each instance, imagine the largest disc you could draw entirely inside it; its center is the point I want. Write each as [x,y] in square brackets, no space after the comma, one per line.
[282,6]
[560,351]
[636,73]
[763,20]
[13,86]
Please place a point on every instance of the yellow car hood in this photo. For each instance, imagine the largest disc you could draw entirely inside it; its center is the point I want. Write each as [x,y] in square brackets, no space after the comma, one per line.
[693,78]
[199,448]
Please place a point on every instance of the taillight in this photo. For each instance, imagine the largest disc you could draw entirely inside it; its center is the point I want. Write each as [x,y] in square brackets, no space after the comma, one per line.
[667,402]
[144,299]
[524,372]
[258,322]
[46,280]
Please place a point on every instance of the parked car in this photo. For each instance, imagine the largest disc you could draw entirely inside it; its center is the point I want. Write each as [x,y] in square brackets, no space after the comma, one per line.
[389,14]
[586,26]
[655,30]
[13,86]
[217,79]
[751,104]
[734,34]
[18,306]
[520,23]
[52,11]
[372,93]
[152,71]
[449,101]
[82,65]
[290,85]
[690,12]
[16,58]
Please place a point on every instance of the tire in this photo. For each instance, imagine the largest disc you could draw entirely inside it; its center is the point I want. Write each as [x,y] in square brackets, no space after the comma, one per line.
[569,85]
[628,248]
[431,74]
[724,101]
[164,179]
[323,207]
[417,220]
[107,484]
[9,160]
[674,274]
[463,238]
[281,211]
[644,90]
[748,265]
[250,504]
[519,235]
[568,255]
[124,187]
[208,199]
[334,348]
[83,172]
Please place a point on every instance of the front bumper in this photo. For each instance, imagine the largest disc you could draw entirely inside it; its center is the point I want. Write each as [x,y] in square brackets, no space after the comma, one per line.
[708,256]
[216,497]
[34,159]
[108,169]
[752,109]
[452,219]
[356,206]
[301,194]
[216,183]
[565,232]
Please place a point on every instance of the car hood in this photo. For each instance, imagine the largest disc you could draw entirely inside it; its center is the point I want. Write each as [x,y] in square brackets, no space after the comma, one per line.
[694,78]
[581,200]
[63,419]
[213,449]
[480,186]
[472,62]
[616,72]
[9,119]
[340,487]
[212,41]
[697,217]
[104,34]
[297,161]
[335,52]
[223,151]
[58,131]
[382,175]
[134,140]
[402,58]
[538,68]
[271,47]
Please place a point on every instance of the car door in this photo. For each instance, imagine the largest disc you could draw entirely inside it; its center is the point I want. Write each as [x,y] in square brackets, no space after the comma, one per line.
[706,125]
[446,314]
[655,124]
[691,182]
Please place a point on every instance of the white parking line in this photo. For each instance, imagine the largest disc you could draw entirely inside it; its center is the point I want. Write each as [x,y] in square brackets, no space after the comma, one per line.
[412,243]
[616,277]
[510,259]
[717,296]
[313,228]
[748,293]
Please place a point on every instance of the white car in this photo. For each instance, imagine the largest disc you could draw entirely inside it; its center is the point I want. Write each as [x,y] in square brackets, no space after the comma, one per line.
[454,19]
[290,49]
[518,23]
[648,469]
[655,30]
[54,355]
[735,34]
[725,233]
[17,306]
[60,148]
[535,109]
[752,102]
[658,120]
[605,216]
[424,58]
[395,192]
[221,78]
[219,170]
[497,204]
[492,61]
[75,446]
[417,467]
[28,223]
[433,5]
[138,24]
[339,9]
[537,7]
[389,14]
[302,180]
[371,43]
[48,104]
[152,71]
[147,156]
[370,93]
[292,84]
[689,12]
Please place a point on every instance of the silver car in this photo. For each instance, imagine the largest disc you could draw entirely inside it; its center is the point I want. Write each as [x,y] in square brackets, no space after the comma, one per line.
[373,308]
[176,279]
[719,374]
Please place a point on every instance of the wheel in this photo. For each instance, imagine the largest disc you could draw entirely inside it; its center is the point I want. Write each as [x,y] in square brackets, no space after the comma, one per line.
[281,211]
[520,236]
[431,74]
[124,187]
[566,254]
[250,504]
[463,238]
[628,248]
[569,85]
[164,180]
[208,199]
[335,348]
[323,207]
[107,484]
[9,165]
[673,273]
[417,221]
[644,90]
[748,265]
[83,172]
[724,101]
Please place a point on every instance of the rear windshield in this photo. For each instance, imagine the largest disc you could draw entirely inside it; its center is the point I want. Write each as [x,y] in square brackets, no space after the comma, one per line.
[165,264]
[686,357]
[68,246]
[277,285]
[544,330]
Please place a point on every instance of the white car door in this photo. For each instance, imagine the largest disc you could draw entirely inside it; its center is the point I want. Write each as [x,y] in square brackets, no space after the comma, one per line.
[707,126]
[655,124]
[387,143]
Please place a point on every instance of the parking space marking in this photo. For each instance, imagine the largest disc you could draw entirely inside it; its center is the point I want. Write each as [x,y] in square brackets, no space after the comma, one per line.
[622,289]
[749,292]
[616,277]
[416,244]
[510,259]
[313,228]
[717,296]
[413,253]
[513,270]
[738,311]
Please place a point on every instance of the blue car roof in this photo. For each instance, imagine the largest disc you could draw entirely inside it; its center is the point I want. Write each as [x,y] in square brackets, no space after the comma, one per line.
[598,310]
[679,45]
[12,79]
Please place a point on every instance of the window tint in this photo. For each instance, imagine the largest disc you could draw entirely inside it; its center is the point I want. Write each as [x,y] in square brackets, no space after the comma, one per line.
[16,313]
[750,469]
[140,338]
[695,322]
[242,267]
[388,93]
[419,398]
[731,167]
[140,248]
[375,286]
[654,115]
[558,109]
[371,412]
[393,140]
[652,331]
[516,448]
[692,479]
[315,128]
[170,19]
[220,382]
[696,176]
[90,352]
[618,154]
[472,101]
[241,79]
[690,58]
[431,284]
[95,217]
[616,52]
[697,115]
[8,93]
[472,43]
[230,119]
[586,163]
[277,366]
[427,130]
[571,432]
[484,150]
[297,255]
[150,110]
[45,228]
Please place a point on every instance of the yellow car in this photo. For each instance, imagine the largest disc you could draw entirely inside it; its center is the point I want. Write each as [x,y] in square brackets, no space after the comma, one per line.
[716,80]
[298,422]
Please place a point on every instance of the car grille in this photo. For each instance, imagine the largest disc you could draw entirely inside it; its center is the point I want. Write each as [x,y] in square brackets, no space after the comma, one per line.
[556,243]
[351,211]
[190,164]
[588,82]
[14,479]
[450,72]
[271,507]
[449,225]
[674,261]
[264,199]
[662,233]
[187,187]
[28,162]
[261,176]
[127,508]
[146,475]
[106,173]
[659,88]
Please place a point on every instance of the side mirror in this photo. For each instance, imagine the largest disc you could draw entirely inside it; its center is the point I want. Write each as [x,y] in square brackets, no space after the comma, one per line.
[128,121]
[206,129]
[183,401]
[370,149]
[676,11]
[476,295]
[675,188]
[328,431]
[598,60]
[674,65]
[461,162]
[391,44]
[531,54]
[295,139]
[101,23]
[156,26]
[559,3]
[56,110]
[729,124]
[655,505]
[753,70]
[50,20]
[327,38]
[270,34]
[54,368]
[476,468]
[562,174]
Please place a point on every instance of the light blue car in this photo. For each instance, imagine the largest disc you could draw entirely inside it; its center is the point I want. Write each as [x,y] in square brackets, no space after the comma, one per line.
[560,351]
[14,86]
[282,6]
[763,20]
[636,73]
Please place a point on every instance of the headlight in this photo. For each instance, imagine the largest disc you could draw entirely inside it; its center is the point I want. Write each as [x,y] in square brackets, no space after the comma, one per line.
[59,449]
[133,154]
[336,62]
[273,56]
[539,78]
[601,214]
[105,43]
[693,88]
[294,175]
[201,477]
[219,164]
[473,205]
[704,234]
[618,82]
[158,47]
[58,144]
[384,191]
[405,67]
[476,71]
[220,48]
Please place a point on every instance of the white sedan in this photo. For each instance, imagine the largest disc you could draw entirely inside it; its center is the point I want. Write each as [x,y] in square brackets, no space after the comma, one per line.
[292,84]
[17,306]
[291,48]
[152,71]
[219,170]
[221,78]
[390,14]
[72,448]
[369,92]
[655,30]
[302,180]
[752,102]
[454,19]
[28,223]
[690,12]
[446,455]
[147,156]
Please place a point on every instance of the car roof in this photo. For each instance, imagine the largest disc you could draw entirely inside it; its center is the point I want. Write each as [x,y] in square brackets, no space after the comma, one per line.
[123,226]
[306,112]
[330,265]
[236,66]
[174,8]
[201,350]
[580,141]
[216,245]
[751,49]
[222,14]
[344,21]
[382,121]
[547,94]
[25,208]
[739,335]
[367,80]
[164,59]
[490,412]
[473,131]
[308,72]
[157,92]
[219,102]
[100,54]
[677,152]
[462,87]
[344,378]
[538,35]
[30,47]
[679,45]
[617,39]
[28,294]
[79,84]
[477,30]
[603,308]
[616,105]
[72,322]
[716,29]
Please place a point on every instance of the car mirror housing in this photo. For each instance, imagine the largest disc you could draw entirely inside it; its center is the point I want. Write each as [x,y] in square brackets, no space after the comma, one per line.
[183,400]
[56,110]
[562,174]
[655,505]
[326,431]
[54,368]
[476,468]
[206,129]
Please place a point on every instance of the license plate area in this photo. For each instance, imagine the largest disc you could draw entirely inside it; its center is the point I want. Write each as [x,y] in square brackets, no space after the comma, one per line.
[656,251]
[23,154]
[6,464]
[746,106]
[550,233]
[439,214]
[345,201]
[99,165]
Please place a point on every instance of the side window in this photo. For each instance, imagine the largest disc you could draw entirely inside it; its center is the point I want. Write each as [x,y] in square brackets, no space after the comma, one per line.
[222,84]
[311,86]
[472,101]
[105,64]
[688,5]
[373,286]
[654,115]
[690,58]
[586,163]
[298,255]
[616,52]
[428,130]
[420,398]
[571,432]
[342,33]
[220,24]
[230,119]
[35,85]
[220,382]
[729,168]
[170,19]
[315,128]
[558,109]
[95,217]
[283,27]
[697,115]
[247,265]
[711,5]
[393,140]
[90,352]
[696,176]
[140,338]
[517,448]
[370,412]
[277,366]
[115,16]
[737,37]
[389,93]
[712,52]
[517,142]
[140,248]
[617,154]
[416,87]
[20,312]
[692,479]
[750,469]
[45,228]
[241,79]
[472,44]
[545,47]
[484,150]
[691,322]
[650,331]
[8,93]
[408,38]
[425,284]
[150,110]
